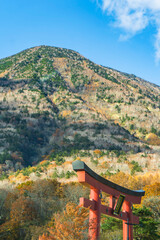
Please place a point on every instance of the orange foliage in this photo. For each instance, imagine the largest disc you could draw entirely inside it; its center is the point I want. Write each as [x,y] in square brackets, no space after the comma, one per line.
[51,165]
[104,164]
[72,223]
[67,163]
[43,162]
[69,225]
[45,237]
[97,152]
[11,177]
[23,210]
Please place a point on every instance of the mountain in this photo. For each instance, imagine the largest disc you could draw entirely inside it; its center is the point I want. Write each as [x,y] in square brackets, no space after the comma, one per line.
[56,104]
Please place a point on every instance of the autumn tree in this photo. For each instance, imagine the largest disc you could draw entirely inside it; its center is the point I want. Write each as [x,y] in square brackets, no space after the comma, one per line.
[23,210]
[9,231]
[71,224]
[47,194]
[10,199]
[73,191]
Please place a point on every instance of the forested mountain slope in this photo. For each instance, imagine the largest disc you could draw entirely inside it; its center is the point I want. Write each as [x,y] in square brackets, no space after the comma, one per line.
[55,103]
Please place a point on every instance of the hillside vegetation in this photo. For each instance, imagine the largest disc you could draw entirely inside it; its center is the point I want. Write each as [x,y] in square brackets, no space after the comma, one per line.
[55,100]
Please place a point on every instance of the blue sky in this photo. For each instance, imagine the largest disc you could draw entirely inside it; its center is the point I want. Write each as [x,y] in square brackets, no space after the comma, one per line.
[127,39]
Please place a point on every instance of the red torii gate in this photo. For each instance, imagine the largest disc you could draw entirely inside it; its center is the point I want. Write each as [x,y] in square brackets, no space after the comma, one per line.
[119,196]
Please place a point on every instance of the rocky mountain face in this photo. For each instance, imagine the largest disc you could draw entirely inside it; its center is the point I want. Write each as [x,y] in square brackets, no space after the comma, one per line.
[55,100]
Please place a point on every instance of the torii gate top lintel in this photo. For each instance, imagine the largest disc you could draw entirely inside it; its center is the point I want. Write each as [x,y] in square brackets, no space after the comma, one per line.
[81,166]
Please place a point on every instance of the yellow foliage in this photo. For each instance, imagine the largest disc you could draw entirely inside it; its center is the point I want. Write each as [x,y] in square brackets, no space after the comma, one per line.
[151,136]
[25,186]
[66,113]
[21,177]
[135,182]
[153,139]
[152,190]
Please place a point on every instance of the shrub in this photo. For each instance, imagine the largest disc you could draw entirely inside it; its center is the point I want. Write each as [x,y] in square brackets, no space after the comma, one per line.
[59,160]
[5,156]
[55,174]
[132,127]
[95,161]
[136,167]
[70,174]
[26,171]
[3,176]
[147,229]
[118,108]
[153,130]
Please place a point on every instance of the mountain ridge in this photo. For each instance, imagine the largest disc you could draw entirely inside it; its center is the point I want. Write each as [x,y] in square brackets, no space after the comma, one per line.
[125,73]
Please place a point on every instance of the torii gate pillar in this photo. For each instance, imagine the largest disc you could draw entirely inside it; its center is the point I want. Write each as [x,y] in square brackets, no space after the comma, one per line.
[95,215]
[127,225]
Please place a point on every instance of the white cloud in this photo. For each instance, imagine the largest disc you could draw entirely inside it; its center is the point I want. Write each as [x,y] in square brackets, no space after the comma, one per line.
[133,16]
